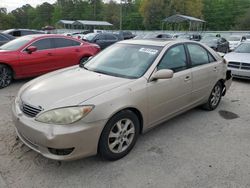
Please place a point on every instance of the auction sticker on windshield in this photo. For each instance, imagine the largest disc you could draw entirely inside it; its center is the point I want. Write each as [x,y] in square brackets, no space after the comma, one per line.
[149,51]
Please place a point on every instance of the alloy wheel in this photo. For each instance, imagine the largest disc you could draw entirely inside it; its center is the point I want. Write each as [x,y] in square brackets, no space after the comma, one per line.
[121,135]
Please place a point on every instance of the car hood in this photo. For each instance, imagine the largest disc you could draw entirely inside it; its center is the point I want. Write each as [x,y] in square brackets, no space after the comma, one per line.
[68,88]
[238,57]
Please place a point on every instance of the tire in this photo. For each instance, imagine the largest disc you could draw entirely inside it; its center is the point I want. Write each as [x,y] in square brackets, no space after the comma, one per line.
[6,76]
[83,60]
[214,98]
[119,136]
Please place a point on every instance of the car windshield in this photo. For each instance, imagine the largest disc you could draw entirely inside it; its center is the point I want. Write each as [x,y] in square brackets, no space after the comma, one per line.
[16,43]
[124,60]
[90,36]
[243,48]
[234,38]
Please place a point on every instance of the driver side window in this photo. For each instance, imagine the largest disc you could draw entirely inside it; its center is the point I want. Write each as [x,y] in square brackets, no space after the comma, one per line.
[42,44]
[174,59]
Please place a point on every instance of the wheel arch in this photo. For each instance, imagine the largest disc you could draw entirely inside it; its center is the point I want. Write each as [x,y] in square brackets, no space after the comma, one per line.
[9,66]
[222,81]
[136,112]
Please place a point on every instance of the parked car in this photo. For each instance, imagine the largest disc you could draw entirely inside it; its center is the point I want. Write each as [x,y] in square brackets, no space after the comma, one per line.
[34,55]
[247,37]
[239,61]
[234,41]
[22,32]
[80,35]
[124,35]
[219,44]
[127,34]
[156,36]
[194,37]
[4,38]
[125,90]
[102,39]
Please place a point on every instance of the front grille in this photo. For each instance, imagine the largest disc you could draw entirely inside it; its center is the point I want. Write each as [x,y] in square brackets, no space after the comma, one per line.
[235,65]
[30,110]
[245,66]
[238,65]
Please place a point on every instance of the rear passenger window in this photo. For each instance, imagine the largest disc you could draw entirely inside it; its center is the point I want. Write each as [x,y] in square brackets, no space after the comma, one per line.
[101,37]
[174,59]
[198,55]
[23,33]
[42,44]
[110,37]
[62,42]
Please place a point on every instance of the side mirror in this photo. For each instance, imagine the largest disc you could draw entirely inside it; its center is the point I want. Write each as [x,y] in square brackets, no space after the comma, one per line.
[162,74]
[31,49]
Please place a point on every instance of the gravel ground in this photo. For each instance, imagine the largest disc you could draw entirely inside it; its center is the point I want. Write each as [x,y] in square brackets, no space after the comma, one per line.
[198,149]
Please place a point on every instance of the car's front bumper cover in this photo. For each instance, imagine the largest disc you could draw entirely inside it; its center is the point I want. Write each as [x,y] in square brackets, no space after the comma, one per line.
[82,137]
[240,73]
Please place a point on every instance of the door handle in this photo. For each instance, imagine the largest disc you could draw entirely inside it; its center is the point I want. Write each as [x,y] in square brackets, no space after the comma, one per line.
[215,68]
[49,54]
[77,50]
[187,78]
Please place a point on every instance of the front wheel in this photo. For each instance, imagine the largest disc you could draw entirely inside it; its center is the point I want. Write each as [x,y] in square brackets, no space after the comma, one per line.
[214,98]
[6,76]
[119,135]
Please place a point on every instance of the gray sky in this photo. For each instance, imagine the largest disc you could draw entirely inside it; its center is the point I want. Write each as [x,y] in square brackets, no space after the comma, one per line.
[13,4]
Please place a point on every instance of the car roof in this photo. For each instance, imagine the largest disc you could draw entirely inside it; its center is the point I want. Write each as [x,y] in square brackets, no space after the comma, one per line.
[40,36]
[151,42]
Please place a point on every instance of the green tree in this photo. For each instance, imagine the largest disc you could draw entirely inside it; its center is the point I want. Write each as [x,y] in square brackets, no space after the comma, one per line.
[153,12]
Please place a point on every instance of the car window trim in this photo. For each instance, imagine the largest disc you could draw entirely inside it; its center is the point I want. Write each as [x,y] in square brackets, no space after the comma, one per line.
[23,49]
[187,62]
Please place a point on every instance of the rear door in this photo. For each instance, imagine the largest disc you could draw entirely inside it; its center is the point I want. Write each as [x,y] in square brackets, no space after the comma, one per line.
[166,97]
[205,71]
[67,52]
[39,62]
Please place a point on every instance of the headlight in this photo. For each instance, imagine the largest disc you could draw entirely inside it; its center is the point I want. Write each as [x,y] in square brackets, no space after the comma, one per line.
[64,116]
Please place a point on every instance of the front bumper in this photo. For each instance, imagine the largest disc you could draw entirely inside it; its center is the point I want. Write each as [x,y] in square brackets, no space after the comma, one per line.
[240,73]
[82,137]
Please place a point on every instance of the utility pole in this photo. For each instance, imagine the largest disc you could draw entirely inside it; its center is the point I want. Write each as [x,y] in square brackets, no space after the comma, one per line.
[95,9]
[121,15]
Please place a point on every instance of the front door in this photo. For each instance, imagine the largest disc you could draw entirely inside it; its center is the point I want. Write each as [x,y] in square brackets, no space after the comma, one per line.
[39,62]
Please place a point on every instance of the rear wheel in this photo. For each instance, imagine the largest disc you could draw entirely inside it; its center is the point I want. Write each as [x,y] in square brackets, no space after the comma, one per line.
[119,135]
[214,98]
[6,76]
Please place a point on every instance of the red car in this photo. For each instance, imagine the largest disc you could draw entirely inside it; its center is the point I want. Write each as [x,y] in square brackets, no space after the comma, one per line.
[34,55]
